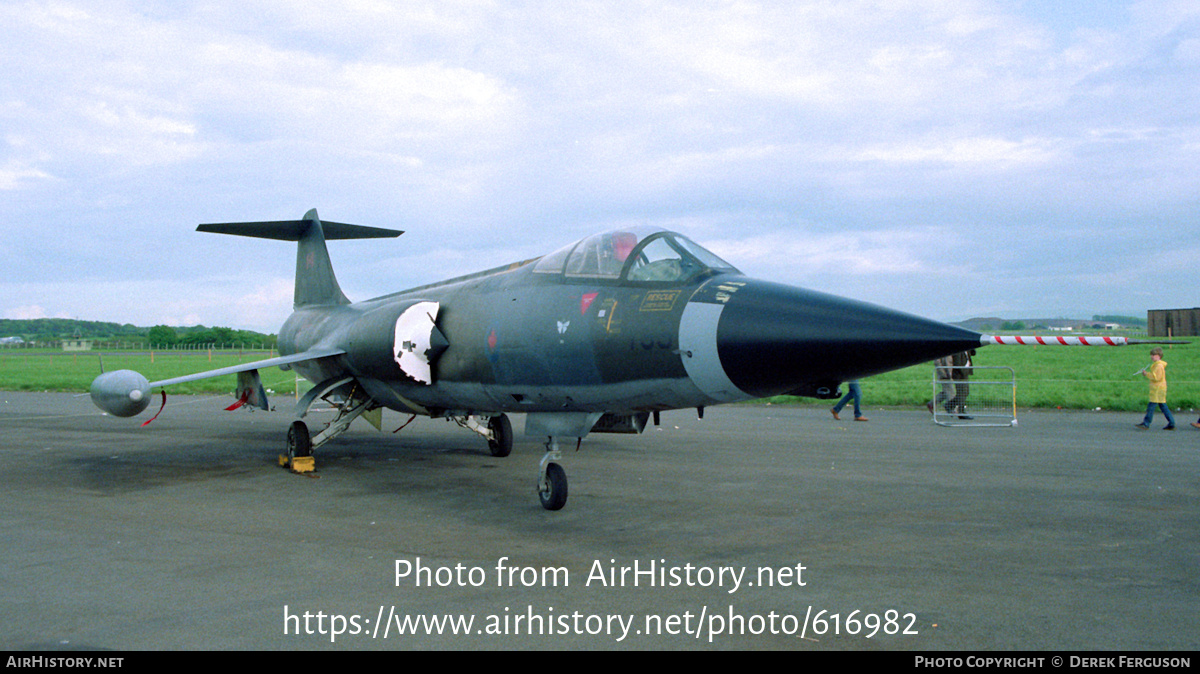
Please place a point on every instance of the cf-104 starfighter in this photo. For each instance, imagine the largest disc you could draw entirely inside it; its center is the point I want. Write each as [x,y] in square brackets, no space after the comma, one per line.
[598,336]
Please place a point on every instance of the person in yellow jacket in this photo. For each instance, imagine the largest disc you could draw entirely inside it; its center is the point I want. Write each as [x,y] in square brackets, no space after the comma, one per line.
[1156,372]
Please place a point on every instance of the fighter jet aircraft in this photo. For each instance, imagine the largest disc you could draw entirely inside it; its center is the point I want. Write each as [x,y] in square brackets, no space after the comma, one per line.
[597,336]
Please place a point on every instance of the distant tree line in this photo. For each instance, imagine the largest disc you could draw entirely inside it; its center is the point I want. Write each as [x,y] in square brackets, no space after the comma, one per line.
[45,330]
[49,329]
[166,335]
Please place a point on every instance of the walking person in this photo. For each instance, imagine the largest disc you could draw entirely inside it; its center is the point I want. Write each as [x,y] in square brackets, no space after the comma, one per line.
[855,394]
[942,367]
[960,373]
[1156,372]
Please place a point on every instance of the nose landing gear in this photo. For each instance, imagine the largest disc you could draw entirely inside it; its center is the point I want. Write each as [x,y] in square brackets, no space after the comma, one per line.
[552,479]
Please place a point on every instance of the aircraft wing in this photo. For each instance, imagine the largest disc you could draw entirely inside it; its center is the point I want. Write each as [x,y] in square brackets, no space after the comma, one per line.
[311,354]
[124,393]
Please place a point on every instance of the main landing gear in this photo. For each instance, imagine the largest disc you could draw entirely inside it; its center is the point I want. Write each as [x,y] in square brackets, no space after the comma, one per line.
[496,430]
[300,444]
[299,448]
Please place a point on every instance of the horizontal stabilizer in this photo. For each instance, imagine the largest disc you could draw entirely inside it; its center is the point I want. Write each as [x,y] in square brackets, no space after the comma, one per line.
[316,284]
[292,230]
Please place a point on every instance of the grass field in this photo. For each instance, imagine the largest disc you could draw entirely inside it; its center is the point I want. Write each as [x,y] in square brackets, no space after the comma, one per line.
[1046,376]
[29,370]
[1070,377]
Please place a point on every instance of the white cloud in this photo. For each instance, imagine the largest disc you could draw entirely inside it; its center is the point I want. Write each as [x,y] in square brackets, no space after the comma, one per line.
[988,152]
[800,252]
[14,176]
[30,312]
[252,301]
[486,127]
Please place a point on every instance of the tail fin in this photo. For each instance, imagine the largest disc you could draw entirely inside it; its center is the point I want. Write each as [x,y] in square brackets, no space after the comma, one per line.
[316,284]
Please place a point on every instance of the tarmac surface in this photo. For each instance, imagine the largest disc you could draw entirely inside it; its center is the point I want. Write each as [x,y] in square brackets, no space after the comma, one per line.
[764,526]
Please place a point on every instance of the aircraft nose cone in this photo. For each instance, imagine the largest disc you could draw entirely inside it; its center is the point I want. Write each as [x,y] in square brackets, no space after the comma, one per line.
[775,339]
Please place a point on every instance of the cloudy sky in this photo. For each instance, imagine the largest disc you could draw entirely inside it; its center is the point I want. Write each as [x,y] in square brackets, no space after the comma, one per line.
[947,158]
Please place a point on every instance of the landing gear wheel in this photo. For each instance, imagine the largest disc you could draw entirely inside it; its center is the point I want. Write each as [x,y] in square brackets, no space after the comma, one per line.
[553,489]
[299,443]
[502,442]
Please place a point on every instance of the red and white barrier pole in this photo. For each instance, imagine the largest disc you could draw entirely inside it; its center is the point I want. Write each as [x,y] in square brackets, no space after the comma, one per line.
[1055,341]
[1081,340]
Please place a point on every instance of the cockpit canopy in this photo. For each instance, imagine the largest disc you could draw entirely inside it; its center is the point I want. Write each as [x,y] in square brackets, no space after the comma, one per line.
[637,255]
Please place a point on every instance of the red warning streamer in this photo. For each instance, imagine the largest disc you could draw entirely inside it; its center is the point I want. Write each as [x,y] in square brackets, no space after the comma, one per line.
[160,409]
[410,420]
[241,401]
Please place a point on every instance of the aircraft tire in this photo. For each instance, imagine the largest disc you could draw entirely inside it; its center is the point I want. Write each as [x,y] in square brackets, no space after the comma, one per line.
[501,428]
[554,494]
[299,442]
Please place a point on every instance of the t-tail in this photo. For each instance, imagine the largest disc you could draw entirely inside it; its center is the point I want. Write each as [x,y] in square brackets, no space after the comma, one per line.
[316,284]
[124,393]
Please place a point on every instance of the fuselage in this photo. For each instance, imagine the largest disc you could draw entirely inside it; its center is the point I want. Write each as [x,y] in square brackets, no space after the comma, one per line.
[669,331]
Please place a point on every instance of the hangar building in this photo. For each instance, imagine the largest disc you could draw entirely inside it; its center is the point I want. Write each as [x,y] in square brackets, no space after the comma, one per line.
[1173,322]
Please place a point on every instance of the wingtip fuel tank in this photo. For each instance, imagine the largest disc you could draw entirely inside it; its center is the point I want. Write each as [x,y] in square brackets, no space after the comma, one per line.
[121,393]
